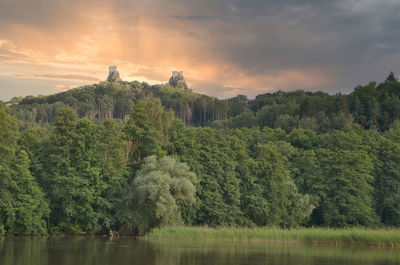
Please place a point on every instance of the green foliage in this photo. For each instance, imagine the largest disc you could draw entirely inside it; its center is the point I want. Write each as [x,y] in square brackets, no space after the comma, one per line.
[345,184]
[371,106]
[158,193]
[149,128]
[82,173]
[94,158]
[387,180]
[244,119]
[23,208]
[8,135]
[303,138]
[354,236]
[22,203]
[287,207]
[242,181]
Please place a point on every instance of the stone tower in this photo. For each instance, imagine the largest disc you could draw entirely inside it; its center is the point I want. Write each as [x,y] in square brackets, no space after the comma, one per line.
[113,74]
[177,79]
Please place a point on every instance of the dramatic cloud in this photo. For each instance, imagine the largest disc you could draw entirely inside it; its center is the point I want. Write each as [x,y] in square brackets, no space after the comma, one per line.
[224,47]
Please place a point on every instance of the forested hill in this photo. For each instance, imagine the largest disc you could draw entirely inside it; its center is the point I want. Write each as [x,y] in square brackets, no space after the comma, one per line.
[372,106]
[114,100]
[304,161]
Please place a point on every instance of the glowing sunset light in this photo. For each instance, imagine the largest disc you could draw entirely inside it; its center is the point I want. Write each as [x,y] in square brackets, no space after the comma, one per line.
[224,47]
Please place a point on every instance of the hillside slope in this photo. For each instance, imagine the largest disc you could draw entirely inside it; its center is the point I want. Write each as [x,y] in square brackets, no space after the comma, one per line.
[372,106]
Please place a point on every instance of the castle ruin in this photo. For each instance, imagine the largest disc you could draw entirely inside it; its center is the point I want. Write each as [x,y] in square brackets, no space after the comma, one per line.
[113,74]
[177,79]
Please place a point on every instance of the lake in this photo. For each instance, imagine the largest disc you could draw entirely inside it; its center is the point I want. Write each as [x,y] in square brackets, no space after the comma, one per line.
[85,251]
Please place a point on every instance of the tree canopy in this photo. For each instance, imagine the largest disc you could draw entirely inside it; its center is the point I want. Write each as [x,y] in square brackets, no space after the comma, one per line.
[128,156]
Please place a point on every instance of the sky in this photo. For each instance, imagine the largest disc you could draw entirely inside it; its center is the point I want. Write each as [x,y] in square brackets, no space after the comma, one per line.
[224,47]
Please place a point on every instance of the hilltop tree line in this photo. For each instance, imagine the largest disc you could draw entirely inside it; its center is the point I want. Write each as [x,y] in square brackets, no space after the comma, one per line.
[373,106]
[270,165]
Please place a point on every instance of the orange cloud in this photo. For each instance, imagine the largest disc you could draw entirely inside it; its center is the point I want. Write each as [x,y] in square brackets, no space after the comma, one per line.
[61,77]
[146,43]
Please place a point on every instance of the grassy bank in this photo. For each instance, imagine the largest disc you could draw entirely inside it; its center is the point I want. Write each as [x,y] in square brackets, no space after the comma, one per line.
[353,236]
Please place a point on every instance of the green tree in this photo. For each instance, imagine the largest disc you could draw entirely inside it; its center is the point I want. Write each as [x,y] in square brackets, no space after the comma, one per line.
[345,184]
[387,180]
[23,208]
[162,187]
[79,175]
[303,138]
[287,207]
[148,128]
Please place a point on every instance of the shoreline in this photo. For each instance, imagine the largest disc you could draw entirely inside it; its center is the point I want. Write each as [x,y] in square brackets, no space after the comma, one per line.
[363,237]
[54,235]
[389,238]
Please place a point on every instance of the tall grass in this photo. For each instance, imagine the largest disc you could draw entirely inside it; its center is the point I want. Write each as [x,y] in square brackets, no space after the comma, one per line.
[354,236]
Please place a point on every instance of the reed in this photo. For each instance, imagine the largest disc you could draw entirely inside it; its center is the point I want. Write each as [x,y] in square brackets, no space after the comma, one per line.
[353,236]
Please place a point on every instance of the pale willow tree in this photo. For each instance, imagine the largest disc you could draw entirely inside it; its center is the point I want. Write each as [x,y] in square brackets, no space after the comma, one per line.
[160,190]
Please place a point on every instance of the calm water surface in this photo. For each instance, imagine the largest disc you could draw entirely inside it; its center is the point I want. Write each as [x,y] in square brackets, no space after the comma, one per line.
[85,251]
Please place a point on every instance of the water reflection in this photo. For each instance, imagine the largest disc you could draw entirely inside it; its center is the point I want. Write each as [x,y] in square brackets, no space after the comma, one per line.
[87,251]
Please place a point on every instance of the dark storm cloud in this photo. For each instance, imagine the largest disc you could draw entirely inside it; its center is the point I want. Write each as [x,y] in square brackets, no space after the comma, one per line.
[268,35]
[338,37]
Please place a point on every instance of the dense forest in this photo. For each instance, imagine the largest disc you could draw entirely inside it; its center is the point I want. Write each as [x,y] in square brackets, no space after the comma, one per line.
[372,106]
[127,156]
